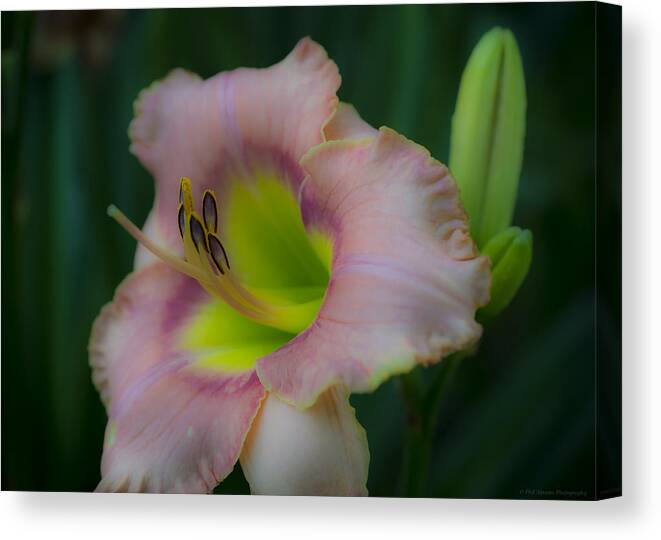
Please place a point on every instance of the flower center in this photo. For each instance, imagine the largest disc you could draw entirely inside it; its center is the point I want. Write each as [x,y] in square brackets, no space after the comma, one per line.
[207,261]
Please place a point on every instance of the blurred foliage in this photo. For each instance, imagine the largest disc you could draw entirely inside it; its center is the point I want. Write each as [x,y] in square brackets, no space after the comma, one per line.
[519,415]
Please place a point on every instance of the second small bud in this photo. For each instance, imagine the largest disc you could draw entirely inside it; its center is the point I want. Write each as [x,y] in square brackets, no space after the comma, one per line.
[511,254]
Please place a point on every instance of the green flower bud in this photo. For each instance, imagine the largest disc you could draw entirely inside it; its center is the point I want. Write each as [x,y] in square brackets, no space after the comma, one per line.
[488,129]
[510,253]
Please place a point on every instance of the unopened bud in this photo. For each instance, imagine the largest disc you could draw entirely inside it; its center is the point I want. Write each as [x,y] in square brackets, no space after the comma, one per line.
[488,129]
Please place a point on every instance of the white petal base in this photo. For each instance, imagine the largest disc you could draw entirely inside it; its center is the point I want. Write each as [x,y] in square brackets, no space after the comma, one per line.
[321,450]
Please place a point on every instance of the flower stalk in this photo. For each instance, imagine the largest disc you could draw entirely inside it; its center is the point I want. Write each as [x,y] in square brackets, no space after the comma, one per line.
[423,412]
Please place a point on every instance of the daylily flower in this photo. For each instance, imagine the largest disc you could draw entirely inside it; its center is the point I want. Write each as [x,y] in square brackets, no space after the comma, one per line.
[303,256]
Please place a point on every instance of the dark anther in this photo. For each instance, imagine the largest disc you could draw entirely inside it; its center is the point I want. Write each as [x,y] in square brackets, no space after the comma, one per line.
[217,252]
[181,219]
[210,211]
[197,233]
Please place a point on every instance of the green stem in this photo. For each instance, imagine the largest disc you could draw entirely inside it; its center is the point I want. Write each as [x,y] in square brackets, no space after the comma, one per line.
[412,482]
[434,397]
[418,452]
[423,413]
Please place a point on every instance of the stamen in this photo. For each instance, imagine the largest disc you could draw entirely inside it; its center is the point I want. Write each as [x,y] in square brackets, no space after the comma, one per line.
[181,219]
[210,211]
[216,269]
[206,260]
[186,268]
[217,252]
[196,237]
[186,195]
[197,233]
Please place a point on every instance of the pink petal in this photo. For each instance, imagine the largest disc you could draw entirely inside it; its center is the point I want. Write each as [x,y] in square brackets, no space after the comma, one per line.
[171,428]
[321,450]
[222,129]
[406,280]
[346,123]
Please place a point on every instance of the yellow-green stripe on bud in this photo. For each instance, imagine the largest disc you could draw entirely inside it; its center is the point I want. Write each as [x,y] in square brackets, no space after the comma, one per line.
[488,129]
[510,253]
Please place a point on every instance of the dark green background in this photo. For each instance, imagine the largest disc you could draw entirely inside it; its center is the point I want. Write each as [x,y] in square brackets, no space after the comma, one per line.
[520,415]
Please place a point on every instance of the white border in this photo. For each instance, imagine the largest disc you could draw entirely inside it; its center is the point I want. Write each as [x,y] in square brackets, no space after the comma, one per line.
[632,516]
[116,4]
